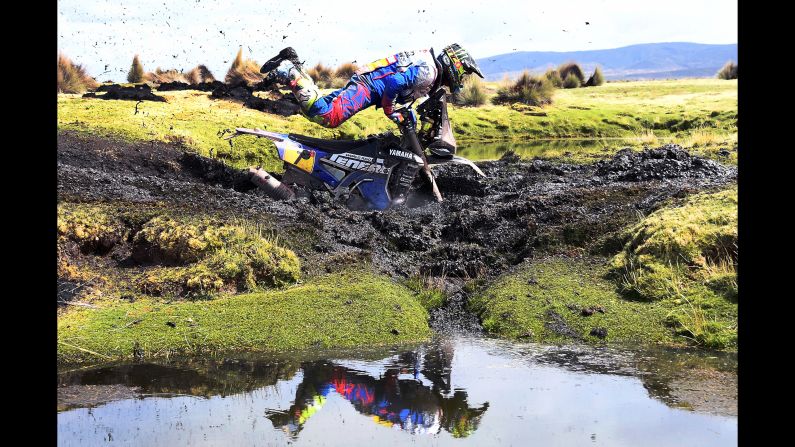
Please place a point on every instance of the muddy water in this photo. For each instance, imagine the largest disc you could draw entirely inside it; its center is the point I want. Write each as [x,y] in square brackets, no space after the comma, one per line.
[544,148]
[456,391]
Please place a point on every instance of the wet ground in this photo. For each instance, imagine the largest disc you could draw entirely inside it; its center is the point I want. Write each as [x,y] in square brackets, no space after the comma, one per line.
[483,227]
[464,390]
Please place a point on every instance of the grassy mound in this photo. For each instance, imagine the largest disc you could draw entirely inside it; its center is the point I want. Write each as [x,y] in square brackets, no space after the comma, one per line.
[560,299]
[340,310]
[687,255]
[175,256]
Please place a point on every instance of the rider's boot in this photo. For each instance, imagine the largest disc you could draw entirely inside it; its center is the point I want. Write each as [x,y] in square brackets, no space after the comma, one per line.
[287,54]
[286,69]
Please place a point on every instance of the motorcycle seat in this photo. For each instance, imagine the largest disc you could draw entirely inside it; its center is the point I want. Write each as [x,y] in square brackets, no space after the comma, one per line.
[331,146]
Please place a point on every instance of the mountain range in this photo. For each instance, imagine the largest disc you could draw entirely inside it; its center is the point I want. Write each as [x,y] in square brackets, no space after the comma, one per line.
[667,60]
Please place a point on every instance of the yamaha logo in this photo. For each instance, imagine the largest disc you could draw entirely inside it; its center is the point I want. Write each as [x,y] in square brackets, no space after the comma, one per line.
[402,154]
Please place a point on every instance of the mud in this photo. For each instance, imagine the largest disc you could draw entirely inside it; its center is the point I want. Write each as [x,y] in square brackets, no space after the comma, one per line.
[202,86]
[483,227]
[135,93]
[284,104]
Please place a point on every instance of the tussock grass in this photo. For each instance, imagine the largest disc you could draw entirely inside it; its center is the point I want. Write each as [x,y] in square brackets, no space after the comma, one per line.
[728,71]
[73,78]
[136,73]
[571,81]
[571,68]
[528,89]
[160,76]
[646,137]
[703,137]
[243,71]
[327,77]
[596,79]
[345,71]
[554,77]
[473,94]
[199,74]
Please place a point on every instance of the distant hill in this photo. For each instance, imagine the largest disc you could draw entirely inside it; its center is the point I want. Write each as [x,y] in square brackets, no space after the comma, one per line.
[643,61]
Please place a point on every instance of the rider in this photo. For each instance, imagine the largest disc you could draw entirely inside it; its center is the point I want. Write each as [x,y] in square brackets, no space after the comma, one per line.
[399,78]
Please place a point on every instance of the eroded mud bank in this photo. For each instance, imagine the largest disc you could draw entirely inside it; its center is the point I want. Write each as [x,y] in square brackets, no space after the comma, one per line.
[483,226]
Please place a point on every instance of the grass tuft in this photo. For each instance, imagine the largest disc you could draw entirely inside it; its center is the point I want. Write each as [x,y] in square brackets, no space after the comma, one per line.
[571,81]
[473,94]
[136,73]
[596,79]
[243,71]
[528,89]
[571,68]
[728,71]
[72,78]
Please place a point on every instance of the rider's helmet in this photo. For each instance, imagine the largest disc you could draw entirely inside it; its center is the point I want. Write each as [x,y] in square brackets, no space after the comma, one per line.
[456,62]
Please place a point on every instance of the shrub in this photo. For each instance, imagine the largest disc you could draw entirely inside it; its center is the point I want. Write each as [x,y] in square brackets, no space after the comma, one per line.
[571,81]
[199,74]
[346,70]
[554,77]
[243,71]
[136,73]
[162,76]
[597,78]
[473,93]
[73,78]
[532,90]
[322,75]
[571,68]
[728,71]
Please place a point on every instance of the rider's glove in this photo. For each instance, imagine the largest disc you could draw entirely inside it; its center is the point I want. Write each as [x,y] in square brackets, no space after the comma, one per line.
[396,118]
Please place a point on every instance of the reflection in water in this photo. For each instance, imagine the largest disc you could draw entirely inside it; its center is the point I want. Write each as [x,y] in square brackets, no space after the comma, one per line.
[406,404]
[459,391]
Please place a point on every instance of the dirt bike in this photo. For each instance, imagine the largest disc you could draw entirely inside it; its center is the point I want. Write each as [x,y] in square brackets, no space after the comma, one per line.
[374,173]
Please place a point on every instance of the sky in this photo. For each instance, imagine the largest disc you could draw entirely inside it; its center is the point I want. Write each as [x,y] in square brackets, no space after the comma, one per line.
[104,35]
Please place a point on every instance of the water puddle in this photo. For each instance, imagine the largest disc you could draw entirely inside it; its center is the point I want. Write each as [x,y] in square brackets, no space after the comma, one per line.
[451,391]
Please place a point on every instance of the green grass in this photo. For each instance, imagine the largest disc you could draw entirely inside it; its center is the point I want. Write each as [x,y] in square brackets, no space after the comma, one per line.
[345,309]
[190,256]
[674,281]
[687,255]
[428,290]
[517,305]
[677,109]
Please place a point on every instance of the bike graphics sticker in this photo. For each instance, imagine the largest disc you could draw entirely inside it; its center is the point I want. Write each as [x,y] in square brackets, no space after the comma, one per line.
[303,159]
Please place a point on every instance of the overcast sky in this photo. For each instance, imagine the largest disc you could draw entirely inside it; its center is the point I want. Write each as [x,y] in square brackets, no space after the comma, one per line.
[103,35]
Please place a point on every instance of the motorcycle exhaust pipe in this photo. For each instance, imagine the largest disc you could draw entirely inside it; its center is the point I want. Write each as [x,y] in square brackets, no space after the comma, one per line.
[268,183]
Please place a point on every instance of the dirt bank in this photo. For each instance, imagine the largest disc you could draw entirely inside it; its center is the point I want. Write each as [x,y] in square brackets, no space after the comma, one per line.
[482,228]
